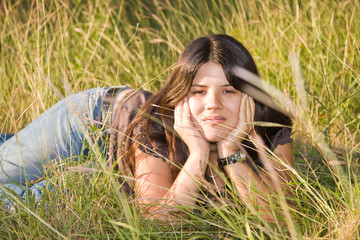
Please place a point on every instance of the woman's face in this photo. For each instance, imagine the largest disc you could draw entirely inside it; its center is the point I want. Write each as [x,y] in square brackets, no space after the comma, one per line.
[214,103]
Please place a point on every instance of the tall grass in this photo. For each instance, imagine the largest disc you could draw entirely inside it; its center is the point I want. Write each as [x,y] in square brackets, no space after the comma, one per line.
[308,49]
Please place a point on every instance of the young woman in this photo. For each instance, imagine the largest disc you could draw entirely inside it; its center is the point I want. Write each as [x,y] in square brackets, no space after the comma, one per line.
[196,128]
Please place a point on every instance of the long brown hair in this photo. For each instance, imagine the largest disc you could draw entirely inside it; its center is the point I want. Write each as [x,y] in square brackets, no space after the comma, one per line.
[221,49]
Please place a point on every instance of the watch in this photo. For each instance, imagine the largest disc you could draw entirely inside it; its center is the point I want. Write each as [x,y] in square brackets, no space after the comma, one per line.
[239,156]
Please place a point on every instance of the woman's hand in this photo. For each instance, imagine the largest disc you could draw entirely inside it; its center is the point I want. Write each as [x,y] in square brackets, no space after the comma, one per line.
[245,125]
[156,182]
[185,128]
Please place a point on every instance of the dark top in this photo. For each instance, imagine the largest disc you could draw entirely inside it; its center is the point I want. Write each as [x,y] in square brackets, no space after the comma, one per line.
[158,146]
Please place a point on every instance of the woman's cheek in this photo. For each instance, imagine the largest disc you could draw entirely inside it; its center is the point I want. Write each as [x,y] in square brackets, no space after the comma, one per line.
[194,106]
[234,105]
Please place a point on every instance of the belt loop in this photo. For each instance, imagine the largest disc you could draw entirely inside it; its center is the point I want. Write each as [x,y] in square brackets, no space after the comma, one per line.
[107,103]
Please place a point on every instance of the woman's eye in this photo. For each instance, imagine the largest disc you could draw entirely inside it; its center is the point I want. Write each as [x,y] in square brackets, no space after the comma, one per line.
[228,91]
[197,92]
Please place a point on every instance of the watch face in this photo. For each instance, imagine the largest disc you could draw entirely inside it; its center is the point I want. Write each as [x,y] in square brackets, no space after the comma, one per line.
[242,156]
[239,156]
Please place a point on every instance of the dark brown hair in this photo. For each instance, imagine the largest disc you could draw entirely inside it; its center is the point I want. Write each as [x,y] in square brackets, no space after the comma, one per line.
[221,49]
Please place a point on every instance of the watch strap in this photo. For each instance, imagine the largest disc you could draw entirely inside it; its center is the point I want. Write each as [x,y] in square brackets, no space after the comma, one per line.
[239,156]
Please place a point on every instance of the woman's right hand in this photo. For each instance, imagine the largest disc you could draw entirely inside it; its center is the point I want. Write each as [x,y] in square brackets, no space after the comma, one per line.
[155,180]
[184,126]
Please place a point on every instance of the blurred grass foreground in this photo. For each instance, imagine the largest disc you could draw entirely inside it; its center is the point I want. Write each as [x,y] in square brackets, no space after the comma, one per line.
[309,49]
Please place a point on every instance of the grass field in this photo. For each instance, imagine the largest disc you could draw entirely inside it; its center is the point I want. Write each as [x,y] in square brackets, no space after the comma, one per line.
[308,49]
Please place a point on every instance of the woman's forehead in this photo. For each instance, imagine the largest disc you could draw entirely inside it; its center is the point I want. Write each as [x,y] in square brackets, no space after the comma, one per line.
[210,73]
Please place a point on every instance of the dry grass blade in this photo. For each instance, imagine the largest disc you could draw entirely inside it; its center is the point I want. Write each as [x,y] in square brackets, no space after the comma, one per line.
[265,92]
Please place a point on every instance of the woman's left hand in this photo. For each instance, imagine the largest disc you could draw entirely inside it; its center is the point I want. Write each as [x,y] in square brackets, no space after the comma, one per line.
[245,125]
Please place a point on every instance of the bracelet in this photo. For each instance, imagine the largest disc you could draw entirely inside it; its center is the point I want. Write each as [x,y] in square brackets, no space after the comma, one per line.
[239,156]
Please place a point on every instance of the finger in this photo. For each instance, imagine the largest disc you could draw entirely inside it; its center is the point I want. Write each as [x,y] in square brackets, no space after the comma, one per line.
[248,116]
[252,106]
[242,115]
[248,112]
[178,114]
[186,113]
[252,114]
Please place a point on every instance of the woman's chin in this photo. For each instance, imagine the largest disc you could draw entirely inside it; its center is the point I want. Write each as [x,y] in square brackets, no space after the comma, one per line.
[214,137]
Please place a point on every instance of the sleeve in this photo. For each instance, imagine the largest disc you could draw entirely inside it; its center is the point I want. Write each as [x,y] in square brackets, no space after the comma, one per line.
[158,146]
[123,114]
[281,137]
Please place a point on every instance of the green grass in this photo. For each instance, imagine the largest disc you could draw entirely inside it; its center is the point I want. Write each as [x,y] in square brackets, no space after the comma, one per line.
[50,49]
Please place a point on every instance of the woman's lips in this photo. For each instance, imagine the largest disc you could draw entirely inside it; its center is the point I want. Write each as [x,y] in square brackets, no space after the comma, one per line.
[213,120]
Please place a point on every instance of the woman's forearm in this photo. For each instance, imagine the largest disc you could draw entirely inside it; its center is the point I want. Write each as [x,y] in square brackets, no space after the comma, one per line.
[245,178]
[246,181]
[157,189]
[185,187]
[273,179]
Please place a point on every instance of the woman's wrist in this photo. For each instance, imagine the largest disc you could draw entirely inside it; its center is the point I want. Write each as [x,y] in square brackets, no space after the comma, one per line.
[198,160]
[201,153]
[225,150]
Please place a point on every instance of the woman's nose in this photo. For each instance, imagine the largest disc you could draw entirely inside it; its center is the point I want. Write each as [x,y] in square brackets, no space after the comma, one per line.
[213,101]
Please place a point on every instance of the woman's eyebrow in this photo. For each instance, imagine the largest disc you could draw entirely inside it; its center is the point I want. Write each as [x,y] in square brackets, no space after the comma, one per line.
[199,85]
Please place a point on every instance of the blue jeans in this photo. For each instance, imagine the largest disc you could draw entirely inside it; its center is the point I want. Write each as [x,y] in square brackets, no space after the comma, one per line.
[56,135]
[4,137]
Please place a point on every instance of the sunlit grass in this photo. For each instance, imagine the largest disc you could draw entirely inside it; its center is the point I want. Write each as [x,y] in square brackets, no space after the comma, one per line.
[50,49]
